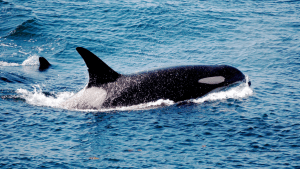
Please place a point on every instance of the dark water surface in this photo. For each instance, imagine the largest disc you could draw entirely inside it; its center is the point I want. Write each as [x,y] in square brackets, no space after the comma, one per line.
[255,127]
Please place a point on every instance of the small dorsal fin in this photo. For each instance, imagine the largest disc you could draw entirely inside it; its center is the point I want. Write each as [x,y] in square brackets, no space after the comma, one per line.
[99,72]
[44,64]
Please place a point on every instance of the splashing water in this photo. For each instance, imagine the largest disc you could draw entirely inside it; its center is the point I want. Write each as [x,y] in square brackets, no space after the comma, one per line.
[241,91]
[38,98]
[8,64]
[30,61]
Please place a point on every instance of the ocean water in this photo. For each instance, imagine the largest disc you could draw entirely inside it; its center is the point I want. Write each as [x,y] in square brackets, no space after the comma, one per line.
[242,127]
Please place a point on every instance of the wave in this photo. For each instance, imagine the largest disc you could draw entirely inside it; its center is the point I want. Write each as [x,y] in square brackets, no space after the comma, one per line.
[12,16]
[29,28]
[39,98]
[30,61]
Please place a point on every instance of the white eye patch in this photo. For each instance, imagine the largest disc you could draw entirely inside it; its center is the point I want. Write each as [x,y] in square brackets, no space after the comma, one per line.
[212,80]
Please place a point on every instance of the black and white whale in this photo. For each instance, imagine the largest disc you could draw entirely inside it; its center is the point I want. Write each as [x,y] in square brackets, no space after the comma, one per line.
[107,88]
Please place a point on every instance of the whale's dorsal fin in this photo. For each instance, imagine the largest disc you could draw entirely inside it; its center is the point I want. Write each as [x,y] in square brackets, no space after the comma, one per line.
[99,72]
[44,64]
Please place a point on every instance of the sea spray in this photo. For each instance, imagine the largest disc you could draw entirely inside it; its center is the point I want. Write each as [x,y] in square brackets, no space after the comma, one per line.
[241,91]
[38,98]
[30,61]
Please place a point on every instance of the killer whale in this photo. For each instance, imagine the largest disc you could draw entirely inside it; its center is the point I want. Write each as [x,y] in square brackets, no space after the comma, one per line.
[44,64]
[107,88]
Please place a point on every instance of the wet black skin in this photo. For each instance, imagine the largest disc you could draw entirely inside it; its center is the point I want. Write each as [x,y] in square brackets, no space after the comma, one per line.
[176,83]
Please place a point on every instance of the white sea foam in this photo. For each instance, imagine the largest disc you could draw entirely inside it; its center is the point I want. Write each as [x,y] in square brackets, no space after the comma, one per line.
[38,98]
[144,106]
[30,61]
[8,64]
[5,45]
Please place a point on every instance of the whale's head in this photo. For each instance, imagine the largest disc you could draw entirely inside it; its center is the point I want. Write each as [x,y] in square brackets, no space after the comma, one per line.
[222,75]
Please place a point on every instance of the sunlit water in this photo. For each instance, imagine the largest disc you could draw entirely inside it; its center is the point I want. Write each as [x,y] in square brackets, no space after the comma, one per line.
[238,127]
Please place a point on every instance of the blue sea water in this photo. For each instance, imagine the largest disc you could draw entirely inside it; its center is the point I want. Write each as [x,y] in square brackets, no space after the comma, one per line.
[244,127]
